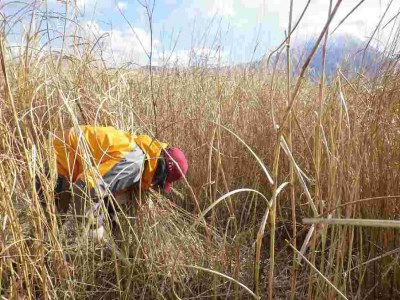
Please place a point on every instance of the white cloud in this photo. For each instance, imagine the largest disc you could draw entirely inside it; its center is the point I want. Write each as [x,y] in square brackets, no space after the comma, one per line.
[361,23]
[81,4]
[121,46]
[91,28]
[223,8]
[78,3]
[122,5]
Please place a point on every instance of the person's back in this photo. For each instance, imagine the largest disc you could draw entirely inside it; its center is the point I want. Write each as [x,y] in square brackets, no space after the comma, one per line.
[106,147]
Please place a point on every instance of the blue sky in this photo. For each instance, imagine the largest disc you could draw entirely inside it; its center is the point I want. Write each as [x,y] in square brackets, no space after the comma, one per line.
[223,31]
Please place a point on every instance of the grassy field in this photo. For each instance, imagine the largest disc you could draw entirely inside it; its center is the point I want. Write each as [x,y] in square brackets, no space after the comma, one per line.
[266,151]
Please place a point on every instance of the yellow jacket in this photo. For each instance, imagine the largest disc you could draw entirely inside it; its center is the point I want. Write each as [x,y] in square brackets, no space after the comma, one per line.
[105,146]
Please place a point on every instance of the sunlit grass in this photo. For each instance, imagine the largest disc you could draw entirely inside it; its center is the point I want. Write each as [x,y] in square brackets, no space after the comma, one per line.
[265,151]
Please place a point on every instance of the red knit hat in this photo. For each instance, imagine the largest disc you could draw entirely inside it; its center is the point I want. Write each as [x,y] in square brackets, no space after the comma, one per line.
[177,166]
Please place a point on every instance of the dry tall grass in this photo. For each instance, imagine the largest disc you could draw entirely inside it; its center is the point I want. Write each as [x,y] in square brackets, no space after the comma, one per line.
[336,157]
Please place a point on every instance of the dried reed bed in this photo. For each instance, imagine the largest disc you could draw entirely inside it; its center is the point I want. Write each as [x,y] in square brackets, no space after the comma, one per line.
[234,228]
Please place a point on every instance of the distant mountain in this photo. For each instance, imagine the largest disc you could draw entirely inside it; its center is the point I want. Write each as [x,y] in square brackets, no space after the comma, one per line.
[344,51]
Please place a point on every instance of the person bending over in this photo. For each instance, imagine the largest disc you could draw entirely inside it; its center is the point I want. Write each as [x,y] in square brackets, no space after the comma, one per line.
[94,162]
